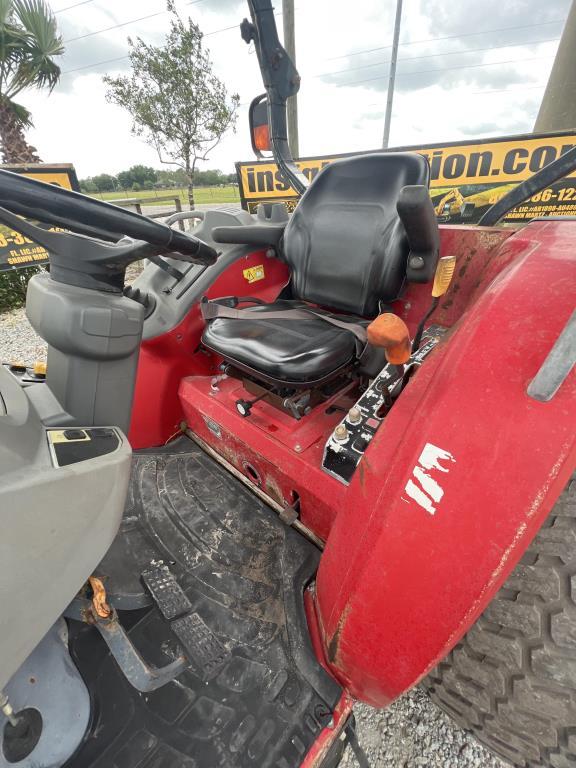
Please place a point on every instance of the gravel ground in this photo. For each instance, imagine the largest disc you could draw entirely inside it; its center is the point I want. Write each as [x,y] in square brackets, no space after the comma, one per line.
[412,733]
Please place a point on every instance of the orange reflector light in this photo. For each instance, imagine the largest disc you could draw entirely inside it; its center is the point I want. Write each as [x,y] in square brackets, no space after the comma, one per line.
[391,332]
[443,276]
[262,137]
[39,368]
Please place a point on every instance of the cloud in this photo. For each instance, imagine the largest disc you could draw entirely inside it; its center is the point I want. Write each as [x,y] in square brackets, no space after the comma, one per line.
[527,16]
[474,57]
[226,6]
[91,56]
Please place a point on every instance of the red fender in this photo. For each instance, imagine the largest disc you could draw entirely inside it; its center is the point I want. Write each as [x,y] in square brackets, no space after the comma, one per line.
[457,481]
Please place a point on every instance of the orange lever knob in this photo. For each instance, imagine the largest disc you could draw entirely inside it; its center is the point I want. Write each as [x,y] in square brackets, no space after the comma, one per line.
[391,332]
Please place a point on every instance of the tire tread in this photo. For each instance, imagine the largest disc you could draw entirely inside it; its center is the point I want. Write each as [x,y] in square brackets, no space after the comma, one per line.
[512,679]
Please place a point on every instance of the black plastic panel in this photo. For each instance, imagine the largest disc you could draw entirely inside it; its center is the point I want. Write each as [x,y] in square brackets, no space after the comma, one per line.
[342,456]
[74,444]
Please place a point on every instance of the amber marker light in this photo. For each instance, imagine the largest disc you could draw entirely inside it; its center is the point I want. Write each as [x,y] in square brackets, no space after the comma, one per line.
[443,276]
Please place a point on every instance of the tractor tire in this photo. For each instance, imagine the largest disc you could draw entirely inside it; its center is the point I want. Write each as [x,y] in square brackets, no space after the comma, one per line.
[512,678]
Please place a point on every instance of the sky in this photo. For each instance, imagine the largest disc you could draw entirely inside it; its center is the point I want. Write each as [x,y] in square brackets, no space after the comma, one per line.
[466,69]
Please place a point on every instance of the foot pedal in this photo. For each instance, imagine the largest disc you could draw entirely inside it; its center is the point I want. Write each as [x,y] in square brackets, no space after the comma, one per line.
[204,651]
[168,595]
[201,646]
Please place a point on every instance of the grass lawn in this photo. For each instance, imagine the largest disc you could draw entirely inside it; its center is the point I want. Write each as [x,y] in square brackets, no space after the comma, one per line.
[216,195]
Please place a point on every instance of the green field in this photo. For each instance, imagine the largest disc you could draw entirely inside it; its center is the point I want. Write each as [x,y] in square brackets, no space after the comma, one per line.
[202,195]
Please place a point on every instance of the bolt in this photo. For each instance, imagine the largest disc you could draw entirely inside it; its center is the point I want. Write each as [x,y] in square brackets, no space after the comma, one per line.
[341,433]
[417,262]
[7,710]
[354,415]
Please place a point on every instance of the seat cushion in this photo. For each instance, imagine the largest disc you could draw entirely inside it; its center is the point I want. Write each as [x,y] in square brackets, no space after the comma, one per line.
[283,350]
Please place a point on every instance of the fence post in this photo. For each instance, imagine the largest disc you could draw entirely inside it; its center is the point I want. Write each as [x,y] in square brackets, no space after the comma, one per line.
[178,209]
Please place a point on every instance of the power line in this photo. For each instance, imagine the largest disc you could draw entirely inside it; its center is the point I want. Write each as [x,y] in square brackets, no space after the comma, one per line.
[69,7]
[95,64]
[370,50]
[509,90]
[127,56]
[124,23]
[446,37]
[446,69]
[435,55]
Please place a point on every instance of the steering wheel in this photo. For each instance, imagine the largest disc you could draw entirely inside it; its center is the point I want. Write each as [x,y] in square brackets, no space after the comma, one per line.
[81,259]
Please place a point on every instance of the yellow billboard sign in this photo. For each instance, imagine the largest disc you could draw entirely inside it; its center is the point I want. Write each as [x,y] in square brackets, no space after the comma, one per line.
[17,251]
[466,178]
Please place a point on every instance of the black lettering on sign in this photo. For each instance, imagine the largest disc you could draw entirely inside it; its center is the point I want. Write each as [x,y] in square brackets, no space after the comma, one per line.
[251,182]
[279,182]
[454,166]
[265,181]
[511,161]
[310,173]
[541,157]
[484,159]
[435,165]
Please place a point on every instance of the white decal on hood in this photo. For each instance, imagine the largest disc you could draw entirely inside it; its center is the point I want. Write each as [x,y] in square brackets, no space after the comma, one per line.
[422,487]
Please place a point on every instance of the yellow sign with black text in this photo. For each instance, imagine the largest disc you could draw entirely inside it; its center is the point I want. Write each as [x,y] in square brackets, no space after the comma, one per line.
[466,178]
[253,274]
[17,251]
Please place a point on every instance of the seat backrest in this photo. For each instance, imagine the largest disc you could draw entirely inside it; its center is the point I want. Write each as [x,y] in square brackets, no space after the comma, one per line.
[345,244]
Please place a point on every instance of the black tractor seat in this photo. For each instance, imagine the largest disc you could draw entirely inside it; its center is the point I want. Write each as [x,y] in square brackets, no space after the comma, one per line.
[293,352]
[347,246]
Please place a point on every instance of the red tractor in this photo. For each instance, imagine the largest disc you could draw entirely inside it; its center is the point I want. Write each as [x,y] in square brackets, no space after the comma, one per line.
[301,461]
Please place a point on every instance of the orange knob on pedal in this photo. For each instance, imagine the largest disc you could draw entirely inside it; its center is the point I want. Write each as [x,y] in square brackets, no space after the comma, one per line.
[391,332]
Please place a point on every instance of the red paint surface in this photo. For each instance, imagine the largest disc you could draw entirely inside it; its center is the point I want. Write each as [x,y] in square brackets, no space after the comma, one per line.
[328,735]
[287,454]
[480,254]
[166,359]
[397,587]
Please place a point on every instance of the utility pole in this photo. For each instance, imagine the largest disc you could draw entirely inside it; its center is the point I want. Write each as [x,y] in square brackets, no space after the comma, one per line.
[392,76]
[558,108]
[290,45]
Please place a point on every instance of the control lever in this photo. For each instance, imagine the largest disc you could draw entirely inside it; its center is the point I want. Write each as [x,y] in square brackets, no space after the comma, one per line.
[86,262]
[391,332]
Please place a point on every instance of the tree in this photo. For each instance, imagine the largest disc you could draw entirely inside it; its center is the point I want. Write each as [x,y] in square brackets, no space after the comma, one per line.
[143,173]
[125,179]
[29,43]
[178,105]
[88,186]
[137,174]
[104,182]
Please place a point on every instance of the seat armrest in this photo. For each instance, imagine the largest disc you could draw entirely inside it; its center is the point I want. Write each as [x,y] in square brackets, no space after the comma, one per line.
[418,216]
[257,234]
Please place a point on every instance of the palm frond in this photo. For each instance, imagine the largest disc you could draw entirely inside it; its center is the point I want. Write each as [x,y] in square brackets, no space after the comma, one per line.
[28,48]
[39,22]
[23,116]
[6,12]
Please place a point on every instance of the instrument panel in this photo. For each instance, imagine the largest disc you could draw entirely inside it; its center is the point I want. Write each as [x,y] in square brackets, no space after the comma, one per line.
[350,439]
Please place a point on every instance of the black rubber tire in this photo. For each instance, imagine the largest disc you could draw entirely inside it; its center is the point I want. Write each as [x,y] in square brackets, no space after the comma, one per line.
[512,679]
